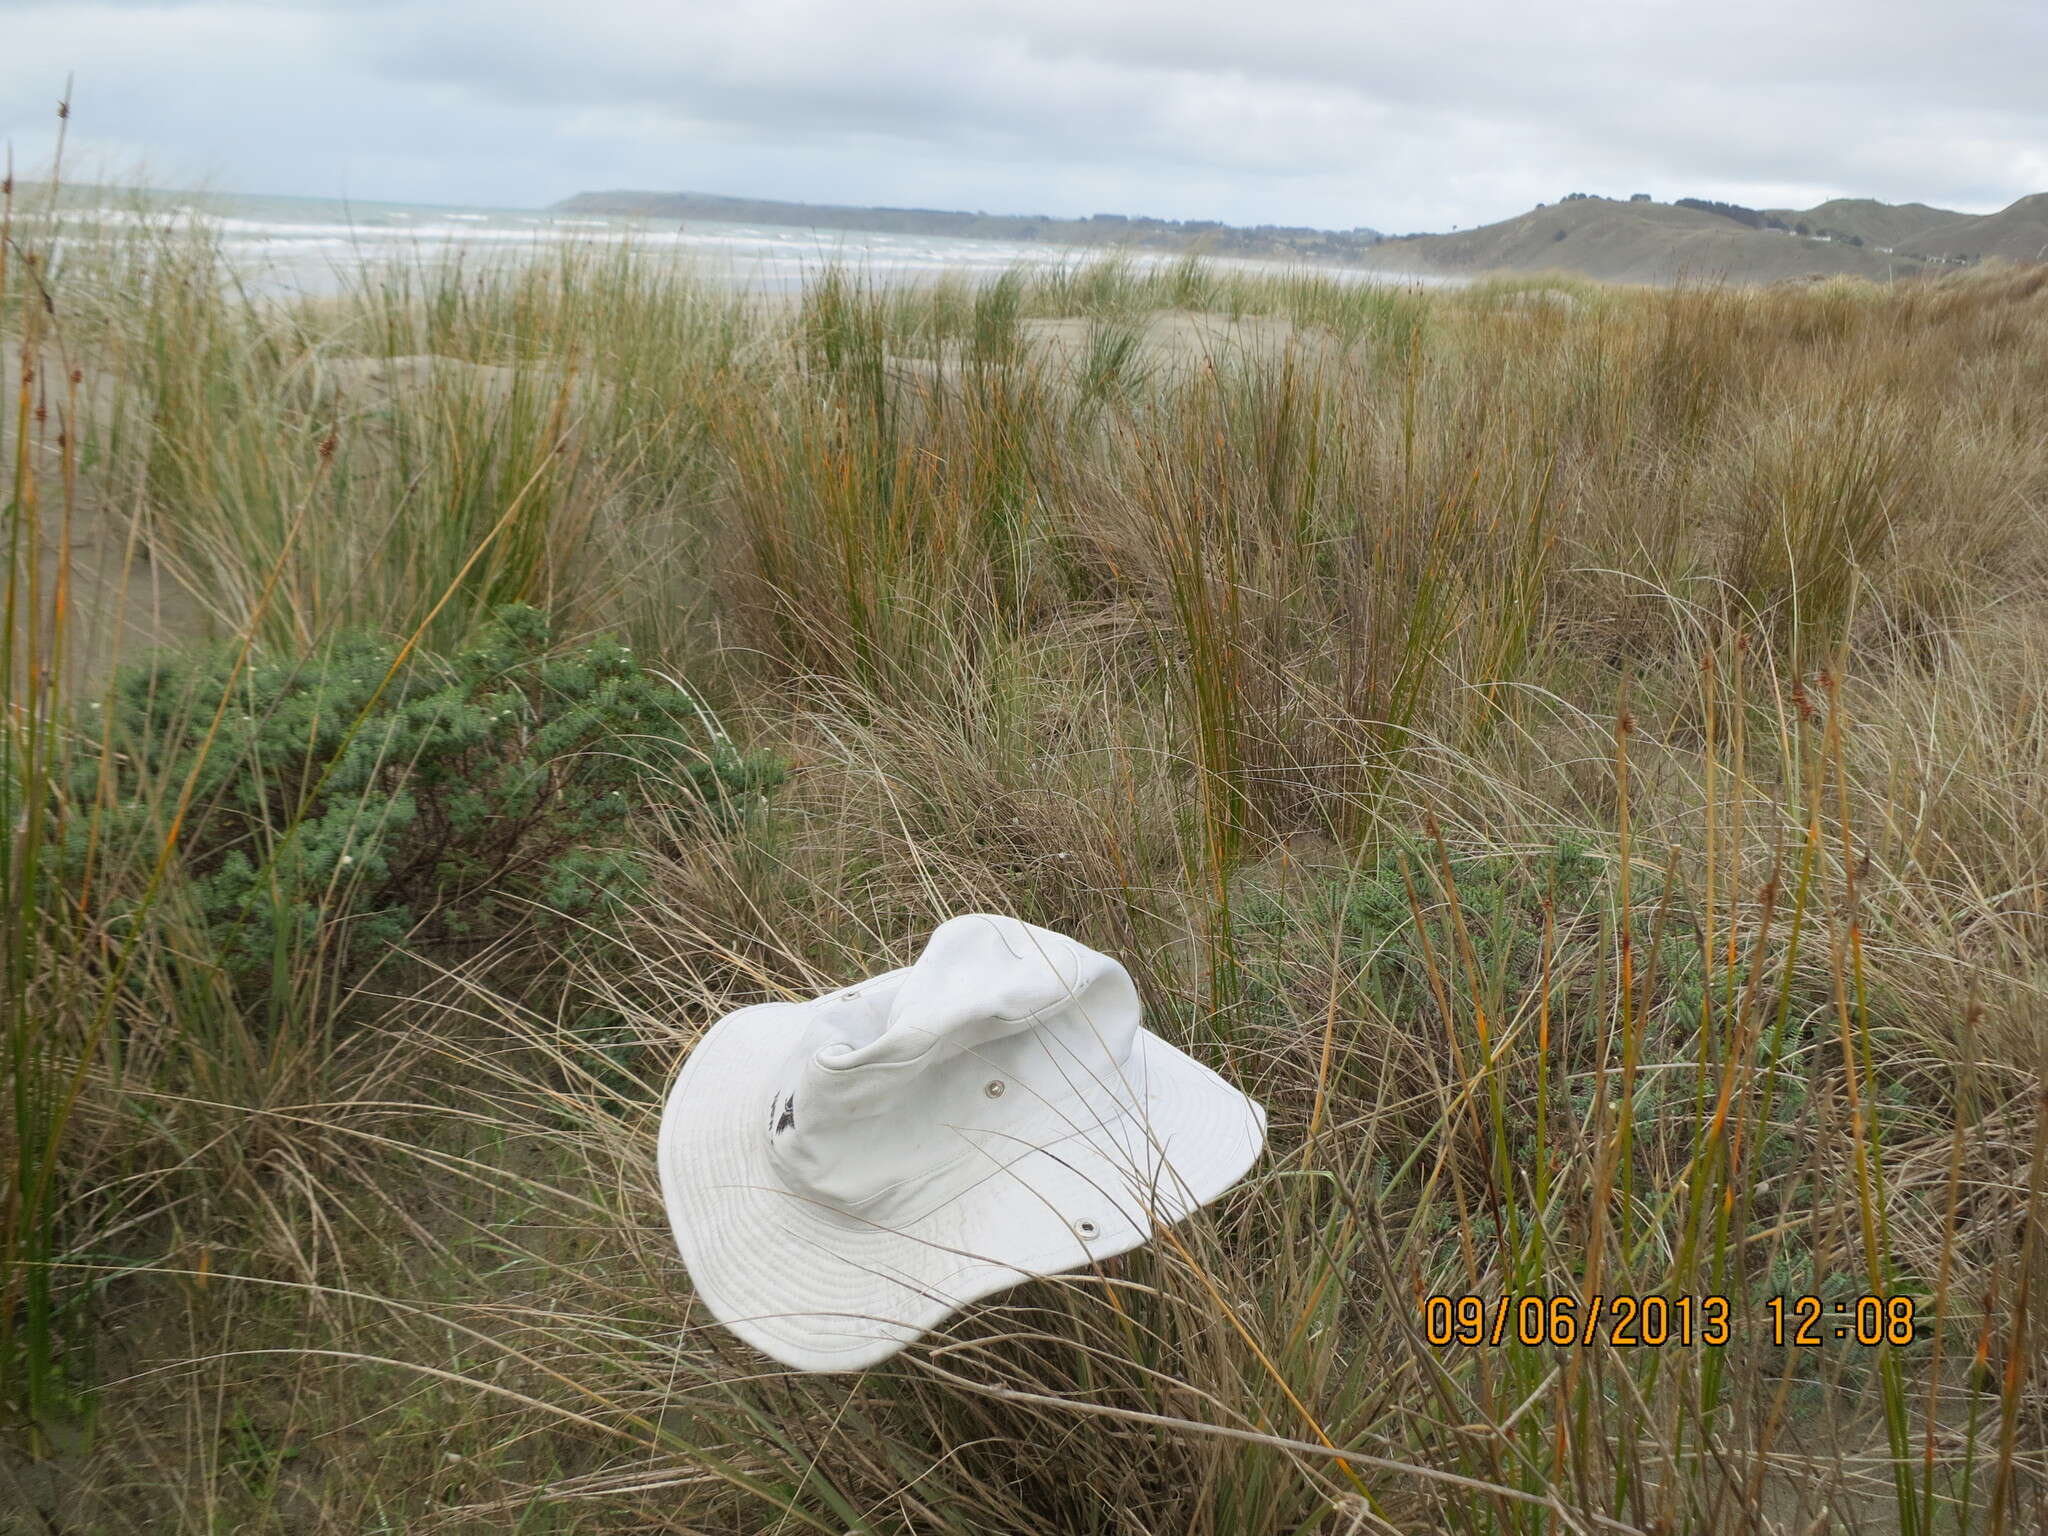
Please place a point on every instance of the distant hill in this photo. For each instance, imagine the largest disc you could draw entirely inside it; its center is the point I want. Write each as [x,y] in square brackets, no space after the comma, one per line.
[2017,233]
[1894,225]
[1114,229]
[1633,242]
[1647,242]
[1637,241]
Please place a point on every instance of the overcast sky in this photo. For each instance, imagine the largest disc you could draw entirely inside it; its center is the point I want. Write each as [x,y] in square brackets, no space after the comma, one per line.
[1415,114]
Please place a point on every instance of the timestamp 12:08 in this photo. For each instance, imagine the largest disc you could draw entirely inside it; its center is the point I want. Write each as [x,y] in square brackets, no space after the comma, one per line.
[1806,1322]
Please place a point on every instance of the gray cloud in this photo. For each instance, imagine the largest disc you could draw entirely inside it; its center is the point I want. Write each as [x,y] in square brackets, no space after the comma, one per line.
[1404,114]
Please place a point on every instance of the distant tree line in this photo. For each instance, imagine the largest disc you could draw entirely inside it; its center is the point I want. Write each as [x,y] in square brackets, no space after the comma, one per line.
[1749,217]
[1210,235]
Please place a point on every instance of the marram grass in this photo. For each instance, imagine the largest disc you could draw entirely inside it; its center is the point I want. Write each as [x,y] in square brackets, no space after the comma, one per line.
[1574,753]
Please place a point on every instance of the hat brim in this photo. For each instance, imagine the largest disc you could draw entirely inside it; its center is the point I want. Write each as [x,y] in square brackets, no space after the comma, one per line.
[821,1291]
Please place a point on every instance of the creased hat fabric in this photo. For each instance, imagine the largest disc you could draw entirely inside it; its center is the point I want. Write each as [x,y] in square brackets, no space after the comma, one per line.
[844,1174]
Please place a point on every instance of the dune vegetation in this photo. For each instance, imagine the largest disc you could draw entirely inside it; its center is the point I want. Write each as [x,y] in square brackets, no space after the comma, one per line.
[1576,754]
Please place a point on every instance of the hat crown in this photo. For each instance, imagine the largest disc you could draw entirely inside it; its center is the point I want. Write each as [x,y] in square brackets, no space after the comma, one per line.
[1000,1039]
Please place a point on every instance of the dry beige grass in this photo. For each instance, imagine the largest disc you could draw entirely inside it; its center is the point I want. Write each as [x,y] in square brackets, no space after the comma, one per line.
[1576,753]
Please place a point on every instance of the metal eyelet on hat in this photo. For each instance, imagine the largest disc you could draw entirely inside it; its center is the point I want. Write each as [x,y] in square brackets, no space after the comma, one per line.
[1087,1229]
[996,1088]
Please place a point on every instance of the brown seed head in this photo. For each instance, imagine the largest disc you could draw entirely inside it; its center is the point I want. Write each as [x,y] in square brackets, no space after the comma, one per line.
[1803,702]
[328,444]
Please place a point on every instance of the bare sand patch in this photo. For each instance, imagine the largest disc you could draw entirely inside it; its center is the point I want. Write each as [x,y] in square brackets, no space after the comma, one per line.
[1159,346]
[93,553]
[1177,338]
[367,389]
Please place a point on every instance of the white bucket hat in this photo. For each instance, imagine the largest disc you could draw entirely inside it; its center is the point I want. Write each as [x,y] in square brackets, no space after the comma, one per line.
[844,1174]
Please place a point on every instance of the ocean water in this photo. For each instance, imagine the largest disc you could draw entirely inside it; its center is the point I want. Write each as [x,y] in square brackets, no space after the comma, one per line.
[313,245]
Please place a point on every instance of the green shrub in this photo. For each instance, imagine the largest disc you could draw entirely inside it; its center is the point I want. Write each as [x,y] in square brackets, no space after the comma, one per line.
[418,801]
[1500,899]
